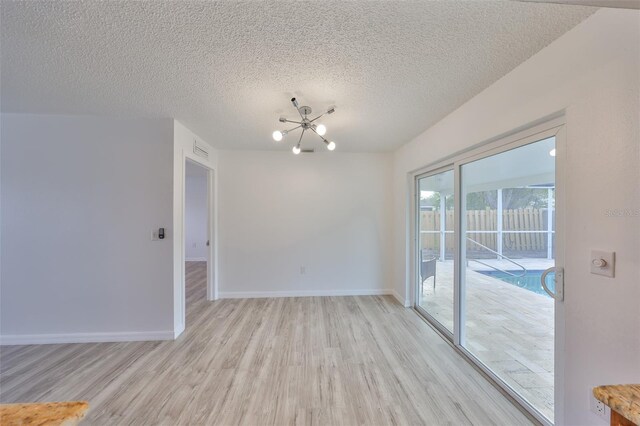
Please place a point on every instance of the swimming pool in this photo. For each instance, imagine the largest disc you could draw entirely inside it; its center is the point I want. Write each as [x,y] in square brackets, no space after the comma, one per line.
[530,281]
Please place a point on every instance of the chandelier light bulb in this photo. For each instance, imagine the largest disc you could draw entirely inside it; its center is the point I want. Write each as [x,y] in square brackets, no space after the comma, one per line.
[321,129]
[277,135]
[296,150]
[331,146]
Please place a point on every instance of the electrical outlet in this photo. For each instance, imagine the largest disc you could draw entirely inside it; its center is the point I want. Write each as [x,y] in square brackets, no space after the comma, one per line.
[303,270]
[599,409]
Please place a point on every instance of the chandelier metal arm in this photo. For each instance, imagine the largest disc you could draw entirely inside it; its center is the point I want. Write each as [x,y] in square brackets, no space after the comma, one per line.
[311,121]
[321,137]
[292,129]
[301,135]
[286,120]
[326,142]
[329,111]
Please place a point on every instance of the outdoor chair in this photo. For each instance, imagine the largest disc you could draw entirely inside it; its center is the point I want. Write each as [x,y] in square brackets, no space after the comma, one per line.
[428,269]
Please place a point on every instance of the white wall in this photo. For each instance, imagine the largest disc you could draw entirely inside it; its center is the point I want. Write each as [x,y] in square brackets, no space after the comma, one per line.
[80,197]
[592,74]
[195,200]
[326,212]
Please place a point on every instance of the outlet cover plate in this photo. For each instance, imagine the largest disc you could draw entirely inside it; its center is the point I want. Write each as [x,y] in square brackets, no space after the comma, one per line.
[599,409]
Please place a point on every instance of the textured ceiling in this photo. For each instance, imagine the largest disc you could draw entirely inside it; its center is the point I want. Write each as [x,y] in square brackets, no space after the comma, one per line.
[228,69]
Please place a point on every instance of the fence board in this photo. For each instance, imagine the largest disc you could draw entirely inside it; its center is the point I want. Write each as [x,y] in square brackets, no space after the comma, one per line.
[486,221]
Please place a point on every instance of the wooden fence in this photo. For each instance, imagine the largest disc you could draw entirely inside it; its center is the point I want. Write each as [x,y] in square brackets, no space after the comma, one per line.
[485,225]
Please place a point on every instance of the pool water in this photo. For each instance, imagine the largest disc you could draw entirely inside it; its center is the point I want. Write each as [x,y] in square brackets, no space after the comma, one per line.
[530,281]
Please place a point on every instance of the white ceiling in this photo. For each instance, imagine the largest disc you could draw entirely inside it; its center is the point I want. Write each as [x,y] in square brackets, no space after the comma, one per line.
[228,69]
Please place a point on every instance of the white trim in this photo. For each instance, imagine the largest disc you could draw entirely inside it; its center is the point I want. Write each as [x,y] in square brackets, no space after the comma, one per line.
[212,224]
[212,259]
[212,220]
[560,208]
[411,265]
[196,259]
[44,339]
[404,302]
[304,293]
[183,151]
[177,332]
[459,258]
[499,217]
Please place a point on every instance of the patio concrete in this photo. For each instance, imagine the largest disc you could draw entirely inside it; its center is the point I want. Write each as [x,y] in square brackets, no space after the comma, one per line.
[509,329]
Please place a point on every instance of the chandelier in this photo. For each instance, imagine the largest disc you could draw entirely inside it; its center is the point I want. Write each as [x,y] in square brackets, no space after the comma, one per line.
[305,124]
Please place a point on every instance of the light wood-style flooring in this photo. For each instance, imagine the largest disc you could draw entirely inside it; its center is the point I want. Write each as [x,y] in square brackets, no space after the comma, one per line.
[311,360]
[509,329]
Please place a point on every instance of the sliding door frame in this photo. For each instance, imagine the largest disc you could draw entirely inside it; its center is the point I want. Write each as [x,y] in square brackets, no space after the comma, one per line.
[553,127]
[416,250]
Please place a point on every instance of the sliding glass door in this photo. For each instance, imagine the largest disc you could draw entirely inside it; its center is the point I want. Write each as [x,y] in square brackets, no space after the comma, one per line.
[435,214]
[507,218]
[485,238]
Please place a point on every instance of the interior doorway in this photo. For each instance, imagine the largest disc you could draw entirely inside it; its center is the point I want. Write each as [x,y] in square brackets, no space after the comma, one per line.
[197,214]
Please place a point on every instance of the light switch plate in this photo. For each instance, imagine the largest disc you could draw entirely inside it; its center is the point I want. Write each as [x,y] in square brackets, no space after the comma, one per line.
[608,269]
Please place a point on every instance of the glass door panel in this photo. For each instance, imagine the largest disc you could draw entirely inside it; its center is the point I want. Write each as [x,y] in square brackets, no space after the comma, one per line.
[435,207]
[507,227]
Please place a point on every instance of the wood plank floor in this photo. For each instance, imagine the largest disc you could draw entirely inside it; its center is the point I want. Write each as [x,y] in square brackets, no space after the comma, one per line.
[509,329]
[320,360]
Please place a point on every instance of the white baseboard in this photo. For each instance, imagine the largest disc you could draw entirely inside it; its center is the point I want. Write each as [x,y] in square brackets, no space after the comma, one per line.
[178,331]
[195,259]
[404,302]
[44,339]
[300,293]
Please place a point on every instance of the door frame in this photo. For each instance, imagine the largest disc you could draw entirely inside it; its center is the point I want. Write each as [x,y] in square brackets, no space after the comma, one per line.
[415,249]
[212,225]
[212,289]
[552,127]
